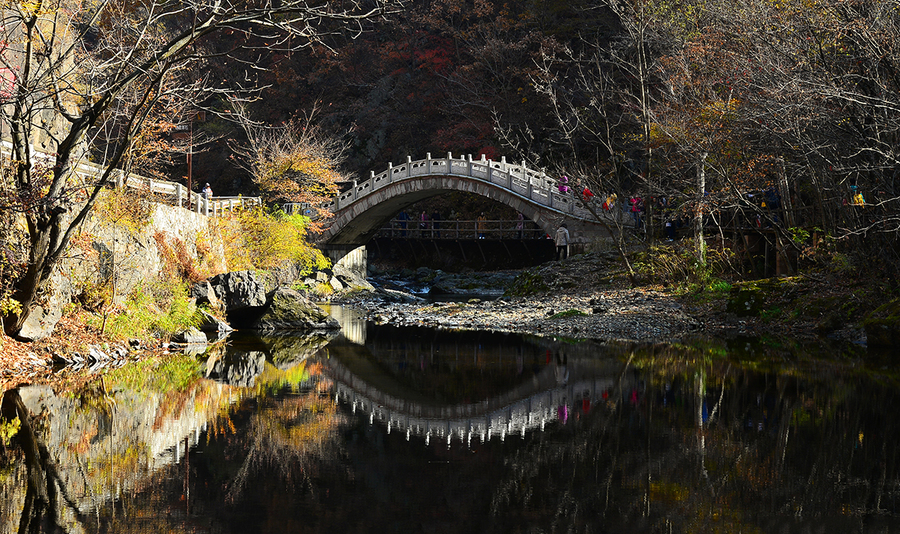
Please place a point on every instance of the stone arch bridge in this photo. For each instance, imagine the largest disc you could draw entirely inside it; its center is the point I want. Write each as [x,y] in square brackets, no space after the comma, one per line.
[362,210]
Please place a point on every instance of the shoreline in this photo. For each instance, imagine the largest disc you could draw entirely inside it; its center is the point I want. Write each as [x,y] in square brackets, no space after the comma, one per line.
[583,299]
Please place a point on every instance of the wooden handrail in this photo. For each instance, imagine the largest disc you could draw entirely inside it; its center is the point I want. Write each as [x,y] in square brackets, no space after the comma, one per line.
[461,229]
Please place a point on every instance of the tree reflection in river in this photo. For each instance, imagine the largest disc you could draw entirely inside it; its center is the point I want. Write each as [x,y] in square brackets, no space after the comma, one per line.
[678,438]
[705,445]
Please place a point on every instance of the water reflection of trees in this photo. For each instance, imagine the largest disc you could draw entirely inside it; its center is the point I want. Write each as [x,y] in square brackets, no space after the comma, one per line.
[708,446]
[46,499]
[288,438]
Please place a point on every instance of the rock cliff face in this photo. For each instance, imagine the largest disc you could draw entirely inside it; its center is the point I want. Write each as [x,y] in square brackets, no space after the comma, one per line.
[131,257]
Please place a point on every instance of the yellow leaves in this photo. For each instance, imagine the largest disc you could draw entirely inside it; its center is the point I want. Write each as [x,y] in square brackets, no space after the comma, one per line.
[30,9]
[719,110]
[269,240]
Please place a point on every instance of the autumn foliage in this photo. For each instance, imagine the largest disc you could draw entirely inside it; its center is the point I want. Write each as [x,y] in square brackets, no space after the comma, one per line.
[296,163]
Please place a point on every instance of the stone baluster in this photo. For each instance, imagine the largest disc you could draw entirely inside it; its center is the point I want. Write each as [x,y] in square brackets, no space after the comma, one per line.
[469,160]
[408,166]
[428,162]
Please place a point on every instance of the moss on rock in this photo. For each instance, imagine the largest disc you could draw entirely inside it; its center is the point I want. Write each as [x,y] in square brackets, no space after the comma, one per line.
[882,326]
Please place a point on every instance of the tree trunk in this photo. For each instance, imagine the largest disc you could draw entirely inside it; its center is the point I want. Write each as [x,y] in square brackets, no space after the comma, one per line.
[37,273]
[698,212]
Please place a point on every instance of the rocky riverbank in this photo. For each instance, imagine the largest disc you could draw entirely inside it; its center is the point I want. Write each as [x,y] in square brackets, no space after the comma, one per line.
[585,297]
[615,314]
[589,297]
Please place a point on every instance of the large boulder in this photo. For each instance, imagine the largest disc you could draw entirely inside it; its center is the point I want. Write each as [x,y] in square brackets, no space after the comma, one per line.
[396,296]
[204,293]
[239,290]
[213,324]
[350,279]
[288,309]
[191,336]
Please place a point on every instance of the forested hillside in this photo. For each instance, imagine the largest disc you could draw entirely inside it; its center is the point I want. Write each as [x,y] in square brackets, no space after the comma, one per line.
[795,97]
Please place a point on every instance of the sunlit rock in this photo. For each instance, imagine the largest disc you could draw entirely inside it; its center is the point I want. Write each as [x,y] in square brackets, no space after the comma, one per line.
[288,309]
[239,290]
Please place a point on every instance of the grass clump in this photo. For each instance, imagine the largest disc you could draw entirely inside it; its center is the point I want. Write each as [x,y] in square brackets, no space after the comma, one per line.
[163,310]
[568,313]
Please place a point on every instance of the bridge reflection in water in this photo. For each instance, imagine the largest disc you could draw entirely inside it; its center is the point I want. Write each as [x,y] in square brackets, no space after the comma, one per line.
[460,386]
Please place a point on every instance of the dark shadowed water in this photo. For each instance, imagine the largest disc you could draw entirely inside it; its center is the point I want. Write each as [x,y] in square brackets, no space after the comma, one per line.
[411,430]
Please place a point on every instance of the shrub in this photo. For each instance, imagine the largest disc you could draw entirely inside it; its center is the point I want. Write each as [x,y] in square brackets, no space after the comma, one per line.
[178,261]
[124,207]
[165,310]
[527,283]
[268,239]
[679,266]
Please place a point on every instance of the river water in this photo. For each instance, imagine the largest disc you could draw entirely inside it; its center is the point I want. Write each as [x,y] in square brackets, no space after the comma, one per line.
[386,429]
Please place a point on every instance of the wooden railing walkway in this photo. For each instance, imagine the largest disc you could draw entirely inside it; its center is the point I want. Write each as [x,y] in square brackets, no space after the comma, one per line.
[172,193]
[458,229]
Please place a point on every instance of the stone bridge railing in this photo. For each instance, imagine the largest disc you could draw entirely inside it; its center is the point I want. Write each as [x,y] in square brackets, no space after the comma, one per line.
[529,406]
[500,419]
[529,184]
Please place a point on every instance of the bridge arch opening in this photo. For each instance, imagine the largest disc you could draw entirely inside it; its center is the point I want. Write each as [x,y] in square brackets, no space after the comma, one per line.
[450,243]
[361,211]
[455,231]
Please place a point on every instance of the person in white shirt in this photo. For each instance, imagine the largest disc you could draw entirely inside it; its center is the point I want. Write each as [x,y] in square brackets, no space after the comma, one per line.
[562,242]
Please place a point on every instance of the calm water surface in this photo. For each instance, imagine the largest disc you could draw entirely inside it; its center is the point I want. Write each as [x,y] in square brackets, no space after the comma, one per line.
[408,430]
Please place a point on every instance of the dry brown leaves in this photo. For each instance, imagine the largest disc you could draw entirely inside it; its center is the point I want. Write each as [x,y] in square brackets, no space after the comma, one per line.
[31,363]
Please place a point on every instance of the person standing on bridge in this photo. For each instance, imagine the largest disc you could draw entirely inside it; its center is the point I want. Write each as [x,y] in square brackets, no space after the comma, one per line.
[436,224]
[562,242]
[403,218]
[207,191]
[423,224]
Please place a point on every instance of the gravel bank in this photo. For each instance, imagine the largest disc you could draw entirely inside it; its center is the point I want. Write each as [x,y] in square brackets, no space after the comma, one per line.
[584,297]
[610,315]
